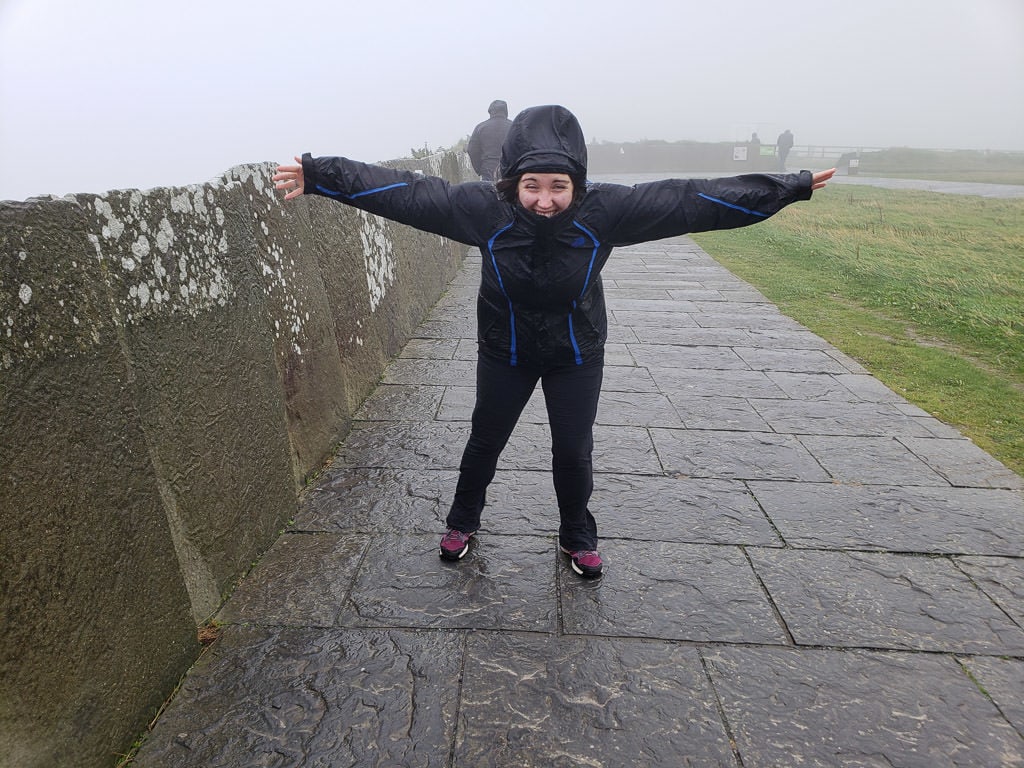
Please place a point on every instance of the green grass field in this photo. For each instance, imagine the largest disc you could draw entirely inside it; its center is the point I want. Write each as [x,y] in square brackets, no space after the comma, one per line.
[925,290]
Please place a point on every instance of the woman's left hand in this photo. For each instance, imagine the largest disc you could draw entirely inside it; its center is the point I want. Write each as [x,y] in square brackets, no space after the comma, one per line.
[820,179]
[290,177]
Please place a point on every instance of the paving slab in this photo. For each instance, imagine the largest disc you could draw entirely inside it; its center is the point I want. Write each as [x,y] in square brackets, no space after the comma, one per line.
[1002,579]
[403,445]
[740,455]
[381,500]
[827,708]
[430,372]
[823,417]
[304,697]
[884,600]
[786,339]
[679,383]
[692,336]
[894,518]
[669,591]
[715,413]
[430,349]
[566,702]
[303,581]
[628,378]
[637,409]
[790,359]
[678,356]
[401,402]
[679,509]
[871,460]
[509,583]
[802,568]
[1002,680]
[834,388]
[963,463]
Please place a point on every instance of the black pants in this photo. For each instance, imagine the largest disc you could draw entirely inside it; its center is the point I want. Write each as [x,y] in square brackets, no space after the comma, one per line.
[571,393]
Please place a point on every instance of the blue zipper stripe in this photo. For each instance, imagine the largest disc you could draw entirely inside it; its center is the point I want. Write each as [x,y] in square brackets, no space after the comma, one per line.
[593,253]
[572,338]
[333,193]
[586,282]
[733,206]
[513,352]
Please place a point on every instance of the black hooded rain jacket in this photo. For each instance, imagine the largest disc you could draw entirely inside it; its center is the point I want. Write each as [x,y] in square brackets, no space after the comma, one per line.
[541,301]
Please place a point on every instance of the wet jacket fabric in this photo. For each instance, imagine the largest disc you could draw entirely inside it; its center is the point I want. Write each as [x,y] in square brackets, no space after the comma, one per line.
[484,147]
[545,140]
[541,300]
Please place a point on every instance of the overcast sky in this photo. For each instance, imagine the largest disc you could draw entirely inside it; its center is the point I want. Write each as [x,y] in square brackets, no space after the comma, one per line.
[105,94]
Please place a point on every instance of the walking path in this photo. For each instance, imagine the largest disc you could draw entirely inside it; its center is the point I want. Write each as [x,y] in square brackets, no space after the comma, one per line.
[801,569]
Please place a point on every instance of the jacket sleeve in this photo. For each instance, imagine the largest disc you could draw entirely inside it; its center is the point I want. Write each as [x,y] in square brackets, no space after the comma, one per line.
[679,206]
[428,203]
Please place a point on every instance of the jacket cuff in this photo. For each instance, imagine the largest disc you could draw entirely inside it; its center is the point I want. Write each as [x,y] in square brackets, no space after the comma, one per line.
[806,184]
[308,173]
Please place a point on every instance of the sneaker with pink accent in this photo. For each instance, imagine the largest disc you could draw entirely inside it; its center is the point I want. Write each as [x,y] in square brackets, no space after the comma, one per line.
[454,544]
[586,562]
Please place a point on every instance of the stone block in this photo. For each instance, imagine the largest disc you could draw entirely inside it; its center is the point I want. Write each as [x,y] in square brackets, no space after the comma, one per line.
[827,708]
[880,600]
[555,702]
[281,696]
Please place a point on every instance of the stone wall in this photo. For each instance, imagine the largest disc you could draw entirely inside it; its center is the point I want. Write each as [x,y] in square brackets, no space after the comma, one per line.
[173,365]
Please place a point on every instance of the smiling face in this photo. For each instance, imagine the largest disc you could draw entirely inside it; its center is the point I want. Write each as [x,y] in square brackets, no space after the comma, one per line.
[545,193]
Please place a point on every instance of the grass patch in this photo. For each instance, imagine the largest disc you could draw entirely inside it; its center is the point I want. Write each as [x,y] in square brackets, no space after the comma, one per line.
[924,290]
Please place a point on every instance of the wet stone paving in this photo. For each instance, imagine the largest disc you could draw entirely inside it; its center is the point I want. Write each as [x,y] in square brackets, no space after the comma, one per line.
[802,569]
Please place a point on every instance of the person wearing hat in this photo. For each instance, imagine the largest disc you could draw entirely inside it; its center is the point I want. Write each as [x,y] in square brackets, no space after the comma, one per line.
[484,147]
[545,234]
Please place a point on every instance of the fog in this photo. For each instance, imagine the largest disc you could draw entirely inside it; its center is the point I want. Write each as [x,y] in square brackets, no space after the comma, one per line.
[101,95]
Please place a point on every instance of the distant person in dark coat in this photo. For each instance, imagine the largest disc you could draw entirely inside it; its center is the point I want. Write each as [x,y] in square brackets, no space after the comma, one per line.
[484,148]
[782,146]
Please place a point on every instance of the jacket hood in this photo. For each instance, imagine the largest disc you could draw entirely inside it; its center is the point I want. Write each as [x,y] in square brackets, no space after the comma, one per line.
[498,108]
[544,139]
